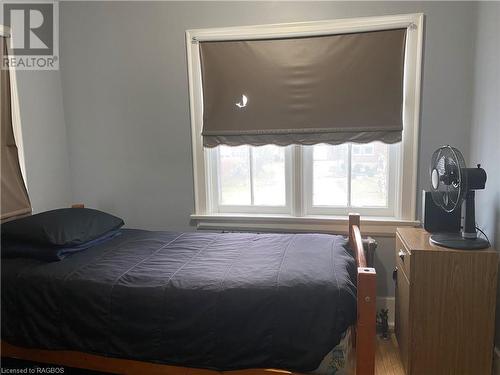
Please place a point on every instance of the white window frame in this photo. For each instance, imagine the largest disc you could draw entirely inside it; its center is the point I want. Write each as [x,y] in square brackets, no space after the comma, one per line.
[214,188]
[297,213]
[392,191]
[16,112]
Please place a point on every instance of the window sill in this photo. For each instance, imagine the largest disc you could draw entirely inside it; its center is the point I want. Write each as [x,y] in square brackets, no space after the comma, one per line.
[372,226]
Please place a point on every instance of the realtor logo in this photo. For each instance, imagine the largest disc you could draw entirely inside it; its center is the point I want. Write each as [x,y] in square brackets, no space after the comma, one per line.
[34,35]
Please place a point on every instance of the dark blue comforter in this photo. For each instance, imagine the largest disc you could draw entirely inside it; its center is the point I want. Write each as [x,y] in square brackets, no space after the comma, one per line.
[223,301]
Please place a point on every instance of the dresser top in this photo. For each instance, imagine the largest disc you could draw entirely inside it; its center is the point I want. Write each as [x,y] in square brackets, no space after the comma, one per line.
[417,239]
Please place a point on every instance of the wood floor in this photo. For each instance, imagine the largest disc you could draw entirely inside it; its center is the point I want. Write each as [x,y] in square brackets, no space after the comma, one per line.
[387,361]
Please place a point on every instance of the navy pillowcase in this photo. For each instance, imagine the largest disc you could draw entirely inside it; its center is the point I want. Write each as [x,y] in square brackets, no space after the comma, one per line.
[65,227]
[20,249]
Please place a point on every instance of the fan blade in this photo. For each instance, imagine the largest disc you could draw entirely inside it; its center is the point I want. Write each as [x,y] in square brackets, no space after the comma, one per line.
[446,165]
[453,201]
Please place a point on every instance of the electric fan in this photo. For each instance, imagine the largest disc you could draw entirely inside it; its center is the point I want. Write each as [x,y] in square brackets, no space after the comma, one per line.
[453,188]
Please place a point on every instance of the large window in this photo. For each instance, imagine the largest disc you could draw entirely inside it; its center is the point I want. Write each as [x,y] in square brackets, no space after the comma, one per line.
[332,179]
[299,182]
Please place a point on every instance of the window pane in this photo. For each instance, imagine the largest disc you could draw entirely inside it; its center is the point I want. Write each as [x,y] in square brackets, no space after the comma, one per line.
[369,171]
[269,175]
[364,149]
[330,175]
[234,175]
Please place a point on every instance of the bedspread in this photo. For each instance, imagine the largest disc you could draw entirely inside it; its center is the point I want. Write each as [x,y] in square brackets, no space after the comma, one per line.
[213,300]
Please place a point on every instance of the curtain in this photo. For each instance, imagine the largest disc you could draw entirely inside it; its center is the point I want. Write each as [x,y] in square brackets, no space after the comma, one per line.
[14,196]
[325,89]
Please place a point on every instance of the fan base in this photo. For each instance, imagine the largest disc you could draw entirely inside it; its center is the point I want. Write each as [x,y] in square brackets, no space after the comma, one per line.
[456,241]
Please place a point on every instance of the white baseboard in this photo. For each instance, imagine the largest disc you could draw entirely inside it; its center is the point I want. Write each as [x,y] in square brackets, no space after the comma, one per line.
[496,361]
[388,303]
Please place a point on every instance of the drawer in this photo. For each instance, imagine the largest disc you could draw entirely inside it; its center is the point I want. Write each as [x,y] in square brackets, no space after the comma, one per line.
[403,257]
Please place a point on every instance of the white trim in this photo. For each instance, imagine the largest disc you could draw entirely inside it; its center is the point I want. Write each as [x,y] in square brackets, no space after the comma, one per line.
[407,184]
[372,226]
[196,110]
[411,121]
[298,205]
[300,29]
[15,109]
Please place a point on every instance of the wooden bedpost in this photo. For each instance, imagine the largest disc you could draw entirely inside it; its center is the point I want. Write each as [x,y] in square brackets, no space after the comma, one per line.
[354,219]
[366,301]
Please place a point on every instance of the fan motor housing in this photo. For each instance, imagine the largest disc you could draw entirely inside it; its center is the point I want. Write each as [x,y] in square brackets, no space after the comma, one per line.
[476,178]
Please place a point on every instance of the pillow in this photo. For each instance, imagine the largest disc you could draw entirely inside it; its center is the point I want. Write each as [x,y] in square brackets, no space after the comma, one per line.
[17,249]
[65,227]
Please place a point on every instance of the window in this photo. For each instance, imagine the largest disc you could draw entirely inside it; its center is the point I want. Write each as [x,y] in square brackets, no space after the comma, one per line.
[335,179]
[340,179]
[367,149]
[250,179]
[374,179]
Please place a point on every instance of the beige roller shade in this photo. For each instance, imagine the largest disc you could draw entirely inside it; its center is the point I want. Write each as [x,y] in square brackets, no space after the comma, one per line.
[14,197]
[325,89]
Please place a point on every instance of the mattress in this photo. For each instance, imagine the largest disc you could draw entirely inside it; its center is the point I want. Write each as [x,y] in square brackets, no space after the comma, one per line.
[210,300]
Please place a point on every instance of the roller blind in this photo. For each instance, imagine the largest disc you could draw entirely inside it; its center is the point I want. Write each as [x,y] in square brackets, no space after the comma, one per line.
[14,196]
[325,89]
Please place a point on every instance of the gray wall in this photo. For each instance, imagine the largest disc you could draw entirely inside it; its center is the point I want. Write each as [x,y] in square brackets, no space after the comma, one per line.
[127,108]
[44,137]
[485,130]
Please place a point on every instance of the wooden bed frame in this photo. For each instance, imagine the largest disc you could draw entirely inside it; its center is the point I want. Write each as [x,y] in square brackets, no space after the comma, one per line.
[363,342]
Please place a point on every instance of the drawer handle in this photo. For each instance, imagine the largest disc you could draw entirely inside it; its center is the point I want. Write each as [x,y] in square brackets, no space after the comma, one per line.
[401,255]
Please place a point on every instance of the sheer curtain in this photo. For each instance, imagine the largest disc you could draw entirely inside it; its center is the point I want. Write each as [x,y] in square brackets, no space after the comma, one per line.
[14,196]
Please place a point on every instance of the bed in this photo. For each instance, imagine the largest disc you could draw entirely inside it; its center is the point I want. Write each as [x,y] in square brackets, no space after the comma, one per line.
[194,303]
